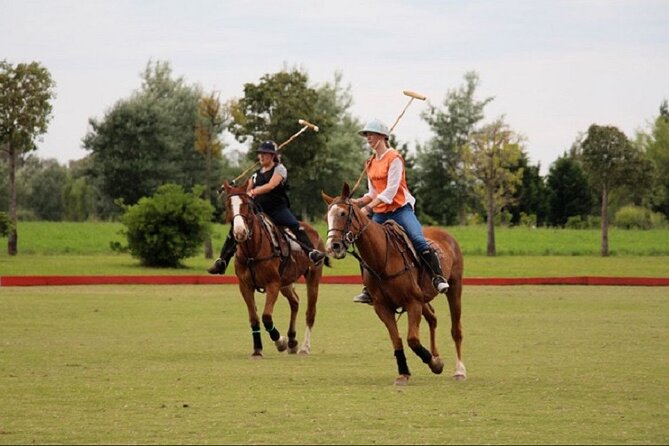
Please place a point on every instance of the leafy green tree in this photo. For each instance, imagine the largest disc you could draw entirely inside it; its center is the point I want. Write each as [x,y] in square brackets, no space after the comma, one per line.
[610,162]
[5,224]
[569,193]
[147,140]
[81,196]
[491,160]
[442,188]
[343,153]
[212,119]
[531,196]
[26,91]
[169,226]
[656,147]
[45,199]
[271,109]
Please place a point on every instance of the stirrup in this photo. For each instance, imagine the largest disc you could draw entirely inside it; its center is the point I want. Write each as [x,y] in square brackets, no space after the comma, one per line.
[440,284]
[363,298]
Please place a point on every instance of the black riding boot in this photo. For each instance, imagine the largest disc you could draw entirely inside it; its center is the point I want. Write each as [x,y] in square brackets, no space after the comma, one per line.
[429,257]
[228,250]
[314,255]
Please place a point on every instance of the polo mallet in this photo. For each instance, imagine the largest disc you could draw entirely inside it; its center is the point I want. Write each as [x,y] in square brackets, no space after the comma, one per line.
[306,125]
[412,95]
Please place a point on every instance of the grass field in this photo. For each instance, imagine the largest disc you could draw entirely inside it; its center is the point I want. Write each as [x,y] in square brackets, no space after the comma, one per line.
[170,365]
[83,249]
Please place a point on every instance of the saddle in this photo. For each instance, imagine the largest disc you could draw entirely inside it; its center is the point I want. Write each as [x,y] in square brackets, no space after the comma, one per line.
[402,242]
[278,237]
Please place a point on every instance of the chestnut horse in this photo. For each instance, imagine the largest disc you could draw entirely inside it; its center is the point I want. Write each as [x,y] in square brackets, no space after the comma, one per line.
[268,260]
[395,279]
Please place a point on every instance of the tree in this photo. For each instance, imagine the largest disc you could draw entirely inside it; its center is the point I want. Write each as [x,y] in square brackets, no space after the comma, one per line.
[271,109]
[531,198]
[213,118]
[491,155]
[656,147]
[569,193]
[26,91]
[610,162]
[45,191]
[442,189]
[147,140]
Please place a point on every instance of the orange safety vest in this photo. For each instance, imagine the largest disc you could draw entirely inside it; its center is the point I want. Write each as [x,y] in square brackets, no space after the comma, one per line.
[377,172]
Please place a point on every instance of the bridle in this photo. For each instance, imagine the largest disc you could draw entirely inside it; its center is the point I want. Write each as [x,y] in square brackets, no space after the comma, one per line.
[348,237]
[248,219]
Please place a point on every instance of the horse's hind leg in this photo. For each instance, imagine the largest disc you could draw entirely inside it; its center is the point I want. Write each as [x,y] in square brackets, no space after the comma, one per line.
[294,301]
[454,296]
[431,319]
[414,310]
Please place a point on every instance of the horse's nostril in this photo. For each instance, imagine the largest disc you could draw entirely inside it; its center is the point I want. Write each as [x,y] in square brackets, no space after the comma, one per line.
[336,246]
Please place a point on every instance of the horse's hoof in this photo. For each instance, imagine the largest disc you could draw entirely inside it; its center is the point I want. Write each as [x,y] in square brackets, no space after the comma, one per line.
[256,355]
[304,352]
[281,344]
[292,350]
[436,365]
[459,377]
[292,346]
[402,380]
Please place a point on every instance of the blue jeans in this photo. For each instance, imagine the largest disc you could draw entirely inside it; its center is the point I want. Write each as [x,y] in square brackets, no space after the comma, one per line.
[406,218]
[284,217]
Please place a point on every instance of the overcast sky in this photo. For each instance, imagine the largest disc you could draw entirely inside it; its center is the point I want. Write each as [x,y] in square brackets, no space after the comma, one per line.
[553,67]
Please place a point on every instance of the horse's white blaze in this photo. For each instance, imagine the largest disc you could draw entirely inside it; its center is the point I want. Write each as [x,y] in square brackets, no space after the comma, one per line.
[331,218]
[239,228]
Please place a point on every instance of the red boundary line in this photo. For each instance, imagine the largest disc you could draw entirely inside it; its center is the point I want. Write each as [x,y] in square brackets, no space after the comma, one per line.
[6,281]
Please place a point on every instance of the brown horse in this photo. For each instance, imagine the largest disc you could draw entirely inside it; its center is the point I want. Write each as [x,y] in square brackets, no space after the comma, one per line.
[395,280]
[269,260]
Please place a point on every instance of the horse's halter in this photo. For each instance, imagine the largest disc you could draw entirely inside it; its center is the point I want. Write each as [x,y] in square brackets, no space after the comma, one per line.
[348,237]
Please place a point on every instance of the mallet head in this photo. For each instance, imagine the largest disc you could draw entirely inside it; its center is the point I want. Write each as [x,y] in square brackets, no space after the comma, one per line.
[414,95]
[308,124]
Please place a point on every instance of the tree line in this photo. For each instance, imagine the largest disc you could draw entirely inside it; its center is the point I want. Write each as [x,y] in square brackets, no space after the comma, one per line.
[169,131]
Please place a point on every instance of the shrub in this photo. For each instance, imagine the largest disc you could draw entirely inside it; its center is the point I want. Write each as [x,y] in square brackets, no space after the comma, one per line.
[5,224]
[576,222]
[167,227]
[635,217]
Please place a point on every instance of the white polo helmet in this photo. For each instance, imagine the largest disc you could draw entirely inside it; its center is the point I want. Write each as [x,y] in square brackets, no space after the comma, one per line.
[375,126]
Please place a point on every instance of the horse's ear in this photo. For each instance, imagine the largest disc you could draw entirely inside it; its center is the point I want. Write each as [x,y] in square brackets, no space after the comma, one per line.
[226,186]
[328,199]
[346,191]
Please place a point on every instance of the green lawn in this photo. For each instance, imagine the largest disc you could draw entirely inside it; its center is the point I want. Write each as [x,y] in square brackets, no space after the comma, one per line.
[48,248]
[170,365]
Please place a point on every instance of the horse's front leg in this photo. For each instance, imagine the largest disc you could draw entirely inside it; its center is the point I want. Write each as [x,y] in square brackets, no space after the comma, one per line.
[415,311]
[272,293]
[294,301]
[387,316]
[249,299]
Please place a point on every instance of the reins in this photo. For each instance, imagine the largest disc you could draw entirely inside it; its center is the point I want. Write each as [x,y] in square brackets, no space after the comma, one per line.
[349,238]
